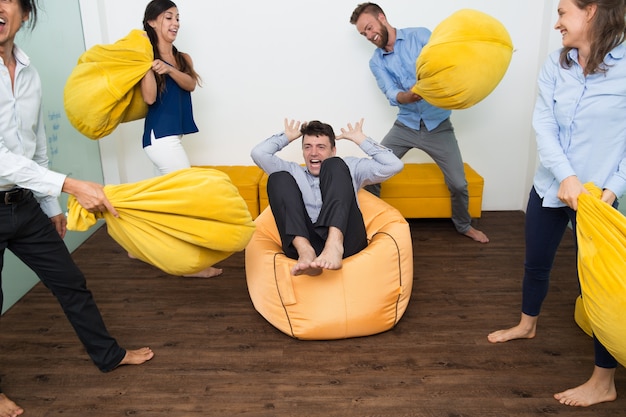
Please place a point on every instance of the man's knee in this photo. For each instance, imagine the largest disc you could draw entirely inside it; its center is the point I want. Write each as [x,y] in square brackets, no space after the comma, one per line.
[280,178]
[334,164]
[458,187]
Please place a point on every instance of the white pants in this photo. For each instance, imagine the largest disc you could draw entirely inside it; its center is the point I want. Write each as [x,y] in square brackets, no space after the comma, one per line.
[167,153]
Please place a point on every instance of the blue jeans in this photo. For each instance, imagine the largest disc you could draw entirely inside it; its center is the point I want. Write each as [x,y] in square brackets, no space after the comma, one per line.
[27,232]
[545,227]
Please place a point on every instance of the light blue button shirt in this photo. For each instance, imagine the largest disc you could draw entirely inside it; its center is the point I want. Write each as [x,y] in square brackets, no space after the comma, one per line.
[580,124]
[381,165]
[395,72]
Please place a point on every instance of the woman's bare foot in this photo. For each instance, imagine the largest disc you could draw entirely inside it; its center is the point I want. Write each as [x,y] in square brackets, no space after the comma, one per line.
[137,356]
[599,388]
[526,329]
[209,272]
[131,256]
[8,408]
[476,235]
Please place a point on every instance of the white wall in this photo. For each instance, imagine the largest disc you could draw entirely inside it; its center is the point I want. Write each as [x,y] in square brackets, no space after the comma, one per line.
[264,61]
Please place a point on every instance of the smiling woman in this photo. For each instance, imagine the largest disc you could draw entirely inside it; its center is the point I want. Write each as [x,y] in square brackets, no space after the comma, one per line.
[166,88]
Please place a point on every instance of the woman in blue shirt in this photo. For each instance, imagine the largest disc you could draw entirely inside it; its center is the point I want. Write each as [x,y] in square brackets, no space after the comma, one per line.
[166,88]
[581,137]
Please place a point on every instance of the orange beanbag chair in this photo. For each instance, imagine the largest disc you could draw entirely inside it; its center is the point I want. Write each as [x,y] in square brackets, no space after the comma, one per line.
[464,60]
[368,295]
[601,309]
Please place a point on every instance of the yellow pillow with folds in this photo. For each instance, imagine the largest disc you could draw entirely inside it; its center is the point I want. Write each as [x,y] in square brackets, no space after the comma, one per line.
[103,89]
[465,58]
[601,235]
[182,222]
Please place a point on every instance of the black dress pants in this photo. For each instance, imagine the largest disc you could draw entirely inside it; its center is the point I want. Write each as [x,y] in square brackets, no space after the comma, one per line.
[27,232]
[339,209]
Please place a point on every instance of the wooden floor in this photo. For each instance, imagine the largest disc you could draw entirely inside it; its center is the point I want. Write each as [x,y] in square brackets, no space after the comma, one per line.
[216,356]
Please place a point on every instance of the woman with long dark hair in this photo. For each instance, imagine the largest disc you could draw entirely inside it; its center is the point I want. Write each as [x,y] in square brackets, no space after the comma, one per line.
[581,137]
[166,88]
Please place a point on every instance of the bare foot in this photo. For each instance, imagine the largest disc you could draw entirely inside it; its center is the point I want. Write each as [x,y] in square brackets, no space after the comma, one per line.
[137,356]
[131,256]
[303,268]
[599,388]
[331,257]
[8,408]
[526,329]
[209,272]
[476,235]
[306,254]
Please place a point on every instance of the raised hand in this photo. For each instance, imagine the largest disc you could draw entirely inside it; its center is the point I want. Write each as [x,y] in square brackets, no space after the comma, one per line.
[355,134]
[292,129]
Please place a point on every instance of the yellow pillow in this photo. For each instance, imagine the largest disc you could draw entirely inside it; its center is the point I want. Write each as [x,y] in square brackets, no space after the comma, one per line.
[601,310]
[103,89]
[182,222]
[464,60]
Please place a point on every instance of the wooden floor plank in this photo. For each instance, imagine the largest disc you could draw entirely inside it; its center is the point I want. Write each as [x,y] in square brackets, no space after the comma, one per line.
[216,356]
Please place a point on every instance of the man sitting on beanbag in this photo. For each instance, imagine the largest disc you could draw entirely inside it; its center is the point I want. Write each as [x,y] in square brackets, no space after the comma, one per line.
[315,206]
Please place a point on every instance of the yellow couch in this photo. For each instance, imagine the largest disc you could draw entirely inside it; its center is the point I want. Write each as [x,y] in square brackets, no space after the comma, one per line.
[418,191]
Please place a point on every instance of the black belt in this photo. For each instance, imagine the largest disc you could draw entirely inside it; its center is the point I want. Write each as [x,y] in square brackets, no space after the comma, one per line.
[14,196]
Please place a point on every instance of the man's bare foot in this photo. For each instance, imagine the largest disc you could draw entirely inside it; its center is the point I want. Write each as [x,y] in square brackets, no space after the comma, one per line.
[526,329]
[304,268]
[209,272]
[8,408]
[137,356]
[476,235]
[331,257]
[306,254]
[599,388]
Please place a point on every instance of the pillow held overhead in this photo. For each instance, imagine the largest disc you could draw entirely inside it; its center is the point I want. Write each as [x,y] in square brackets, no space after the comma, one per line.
[103,89]
[465,58]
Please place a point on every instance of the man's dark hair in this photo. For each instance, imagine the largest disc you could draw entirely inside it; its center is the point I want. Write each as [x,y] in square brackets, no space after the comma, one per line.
[30,6]
[371,8]
[317,128]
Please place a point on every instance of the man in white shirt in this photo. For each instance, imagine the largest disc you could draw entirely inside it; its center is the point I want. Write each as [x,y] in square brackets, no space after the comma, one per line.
[32,224]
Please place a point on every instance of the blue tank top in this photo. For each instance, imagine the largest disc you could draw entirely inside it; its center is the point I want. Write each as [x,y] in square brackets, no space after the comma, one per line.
[171,114]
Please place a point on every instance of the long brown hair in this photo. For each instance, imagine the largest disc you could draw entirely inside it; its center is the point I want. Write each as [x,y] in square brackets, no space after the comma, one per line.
[153,10]
[608,29]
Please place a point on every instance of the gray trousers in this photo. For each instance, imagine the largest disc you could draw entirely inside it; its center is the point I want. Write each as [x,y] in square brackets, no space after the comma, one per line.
[441,145]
